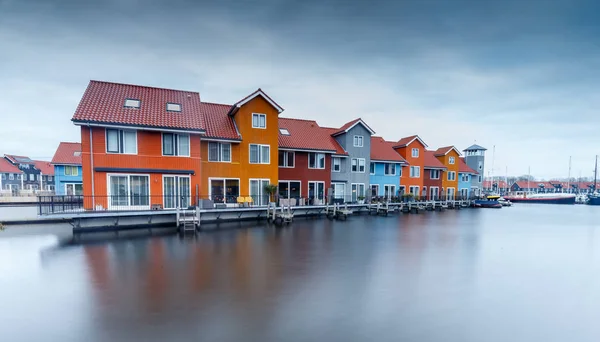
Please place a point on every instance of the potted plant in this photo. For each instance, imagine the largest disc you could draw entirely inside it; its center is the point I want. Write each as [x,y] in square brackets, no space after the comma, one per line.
[361,199]
[407,197]
[271,190]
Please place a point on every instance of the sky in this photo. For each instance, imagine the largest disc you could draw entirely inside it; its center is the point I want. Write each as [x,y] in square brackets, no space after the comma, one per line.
[520,78]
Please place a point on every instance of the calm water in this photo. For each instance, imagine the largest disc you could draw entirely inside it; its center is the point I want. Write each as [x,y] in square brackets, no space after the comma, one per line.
[527,273]
[18,212]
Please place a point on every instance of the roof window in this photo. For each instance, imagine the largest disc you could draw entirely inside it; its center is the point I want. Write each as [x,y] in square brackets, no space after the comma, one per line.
[173,107]
[132,103]
[284,131]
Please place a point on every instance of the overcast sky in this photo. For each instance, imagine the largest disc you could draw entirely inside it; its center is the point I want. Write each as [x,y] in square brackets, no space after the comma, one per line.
[521,75]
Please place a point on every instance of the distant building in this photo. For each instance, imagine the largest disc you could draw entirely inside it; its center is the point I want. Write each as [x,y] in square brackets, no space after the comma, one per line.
[67,169]
[465,175]
[497,185]
[450,157]
[432,177]
[475,159]
[412,149]
[37,174]
[11,177]
[385,168]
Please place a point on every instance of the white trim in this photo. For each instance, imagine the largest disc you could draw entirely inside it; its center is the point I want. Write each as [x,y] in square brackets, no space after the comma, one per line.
[394,186]
[453,148]
[410,173]
[178,195]
[224,186]
[288,181]
[260,190]
[358,165]
[395,170]
[259,115]
[410,142]
[412,154]
[259,154]
[374,168]
[316,197]
[448,176]
[220,151]
[162,146]
[128,175]
[356,123]
[137,128]
[264,96]
[371,188]
[65,188]
[358,190]
[221,140]
[316,155]
[438,175]
[354,141]
[65,170]
[293,159]
[305,150]
[451,160]
[389,161]
[118,130]
[437,192]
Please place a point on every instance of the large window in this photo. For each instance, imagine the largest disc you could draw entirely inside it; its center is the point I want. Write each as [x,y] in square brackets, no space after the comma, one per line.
[358,141]
[390,169]
[71,170]
[415,153]
[176,144]
[176,192]
[464,177]
[389,190]
[129,192]
[316,160]
[434,174]
[451,160]
[259,154]
[336,164]
[415,171]
[121,141]
[374,190]
[316,193]
[219,152]
[73,189]
[224,190]
[286,159]
[257,191]
[358,191]
[451,175]
[414,190]
[358,165]
[339,191]
[289,189]
[259,120]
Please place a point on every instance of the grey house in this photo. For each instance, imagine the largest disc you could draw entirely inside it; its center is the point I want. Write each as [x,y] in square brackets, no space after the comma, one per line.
[11,178]
[32,178]
[475,159]
[351,182]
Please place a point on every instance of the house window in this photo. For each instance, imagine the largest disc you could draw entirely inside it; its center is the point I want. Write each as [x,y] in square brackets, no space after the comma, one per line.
[260,154]
[132,103]
[284,131]
[128,192]
[374,190]
[173,107]
[415,171]
[49,178]
[414,190]
[4,176]
[358,141]
[451,160]
[390,169]
[71,170]
[224,190]
[121,141]
[10,176]
[434,174]
[219,152]
[372,168]
[389,190]
[259,120]
[176,144]
[336,164]
[316,160]
[286,159]
[73,189]
[479,179]
[358,165]
[358,191]
[31,177]
[451,175]
[415,153]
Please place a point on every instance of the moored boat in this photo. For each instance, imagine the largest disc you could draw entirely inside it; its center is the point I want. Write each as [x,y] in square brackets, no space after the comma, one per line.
[549,198]
[490,201]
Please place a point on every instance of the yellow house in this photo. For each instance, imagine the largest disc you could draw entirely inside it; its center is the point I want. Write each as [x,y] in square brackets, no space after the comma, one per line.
[449,156]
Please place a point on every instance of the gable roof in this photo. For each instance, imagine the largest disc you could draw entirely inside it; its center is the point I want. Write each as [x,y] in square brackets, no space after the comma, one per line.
[218,123]
[501,184]
[475,147]
[382,150]
[442,151]
[431,162]
[408,140]
[349,125]
[7,167]
[250,97]
[464,168]
[103,104]
[307,135]
[67,153]
[45,167]
[18,159]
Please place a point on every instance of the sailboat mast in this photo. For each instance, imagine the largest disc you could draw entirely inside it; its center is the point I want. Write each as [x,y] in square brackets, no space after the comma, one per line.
[528,177]
[493,159]
[596,173]
[569,178]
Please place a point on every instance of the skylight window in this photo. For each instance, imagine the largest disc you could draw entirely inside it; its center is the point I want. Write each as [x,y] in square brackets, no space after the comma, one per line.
[132,103]
[173,107]
[77,154]
[284,131]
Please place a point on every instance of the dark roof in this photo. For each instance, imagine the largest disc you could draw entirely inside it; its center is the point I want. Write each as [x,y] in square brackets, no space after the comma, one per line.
[307,135]
[18,159]
[475,147]
[67,153]
[382,150]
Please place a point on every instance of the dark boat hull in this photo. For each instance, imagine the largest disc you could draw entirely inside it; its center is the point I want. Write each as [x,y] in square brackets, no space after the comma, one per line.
[554,200]
[593,200]
[487,204]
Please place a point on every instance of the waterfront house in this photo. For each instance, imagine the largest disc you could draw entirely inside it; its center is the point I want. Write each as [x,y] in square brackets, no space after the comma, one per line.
[140,146]
[450,157]
[240,149]
[308,155]
[31,175]
[11,177]
[496,186]
[385,168]
[529,186]
[475,159]
[432,177]
[67,169]
[412,149]
[465,173]
[46,177]
[351,182]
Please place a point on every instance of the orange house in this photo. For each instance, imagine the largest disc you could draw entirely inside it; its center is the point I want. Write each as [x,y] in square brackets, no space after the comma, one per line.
[140,146]
[240,149]
[412,149]
[449,156]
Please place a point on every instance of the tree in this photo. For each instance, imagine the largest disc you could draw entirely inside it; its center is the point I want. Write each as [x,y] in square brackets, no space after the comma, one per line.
[526,178]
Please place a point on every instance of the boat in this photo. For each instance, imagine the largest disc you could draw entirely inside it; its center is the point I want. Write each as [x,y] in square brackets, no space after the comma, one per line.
[504,202]
[581,199]
[594,198]
[549,198]
[491,201]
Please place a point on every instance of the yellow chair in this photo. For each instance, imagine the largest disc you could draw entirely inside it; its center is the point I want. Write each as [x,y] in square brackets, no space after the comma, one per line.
[240,201]
[249,200]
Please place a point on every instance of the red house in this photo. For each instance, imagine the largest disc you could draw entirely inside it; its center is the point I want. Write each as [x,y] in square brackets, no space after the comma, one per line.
[306,154]
[432,177]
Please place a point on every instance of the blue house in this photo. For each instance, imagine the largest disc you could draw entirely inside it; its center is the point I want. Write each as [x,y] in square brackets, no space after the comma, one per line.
[67,169]
[465,177]
[385,168]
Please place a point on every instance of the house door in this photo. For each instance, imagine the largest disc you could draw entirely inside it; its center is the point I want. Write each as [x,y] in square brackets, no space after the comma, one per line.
[450,194]
[339,190]
[176,192]
[316,192]
[374,190]
[358,191]
[434,193]
[257,191]
[389,191]
[464,193]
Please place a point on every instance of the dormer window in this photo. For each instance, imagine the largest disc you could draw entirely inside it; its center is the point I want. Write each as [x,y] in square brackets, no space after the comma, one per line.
[284,131]
[132,103]
[173,107]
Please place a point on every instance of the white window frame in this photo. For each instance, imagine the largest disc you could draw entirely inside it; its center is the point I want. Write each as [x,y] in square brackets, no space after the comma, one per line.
[453,174]
[11,176]
[220,147]
[284,131]
[129,175]
[451,160]
[358,141]
[317,154]
[375,186]
[260,154]
[418,172]
[286,159]
[385,169]
[390,193]
[437,192]
[178,186]
[172,109]
[176,149]
[434,172]
[321,200]
[448,193]
[333,164]
[73,184]
[132,106]
[71,167]
[358,165]
[261,190]
[259,115]
[225,179]
[359,186]
[416,192]
[413,154]
[120,136]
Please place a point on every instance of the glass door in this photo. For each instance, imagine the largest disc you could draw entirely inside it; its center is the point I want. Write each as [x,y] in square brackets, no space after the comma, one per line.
[119,190]
[176,192]
[339,190]
[257,191]
[316,192]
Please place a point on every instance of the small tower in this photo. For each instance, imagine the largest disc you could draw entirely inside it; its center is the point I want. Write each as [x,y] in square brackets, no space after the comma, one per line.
[475,158]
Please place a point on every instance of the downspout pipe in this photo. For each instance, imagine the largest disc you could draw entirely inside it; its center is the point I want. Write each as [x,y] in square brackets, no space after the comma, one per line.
[92,167]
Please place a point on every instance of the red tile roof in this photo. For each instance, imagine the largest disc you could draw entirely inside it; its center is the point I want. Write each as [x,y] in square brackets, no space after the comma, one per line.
[464,168]
[68,153]
[350,124]
[339,149]
[487,184]
[218,124]
[406,141]
[103,102]
[7,167]
[45,167]
[383,150]
[431,162]
[307,135]
[442,151]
